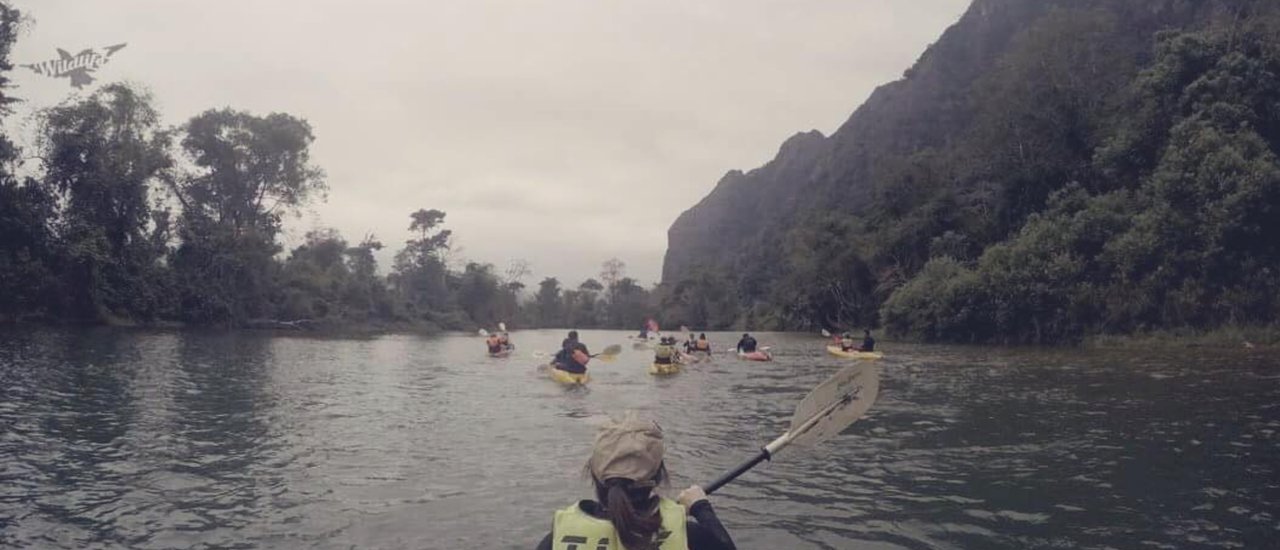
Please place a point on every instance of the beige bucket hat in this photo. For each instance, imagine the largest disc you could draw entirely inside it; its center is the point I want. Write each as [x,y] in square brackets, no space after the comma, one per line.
[630,448]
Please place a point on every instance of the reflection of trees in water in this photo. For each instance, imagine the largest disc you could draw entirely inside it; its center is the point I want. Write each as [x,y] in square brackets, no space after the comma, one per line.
[220,438]
[89,386]
[78,407]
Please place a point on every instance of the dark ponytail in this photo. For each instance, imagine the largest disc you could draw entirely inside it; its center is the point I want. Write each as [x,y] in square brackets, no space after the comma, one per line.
[632,508]
[637,528]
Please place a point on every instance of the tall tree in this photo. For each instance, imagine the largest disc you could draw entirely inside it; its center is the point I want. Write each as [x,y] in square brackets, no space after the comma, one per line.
[27,209]
[249,172]
[420,273]
[548,304]
[103,154]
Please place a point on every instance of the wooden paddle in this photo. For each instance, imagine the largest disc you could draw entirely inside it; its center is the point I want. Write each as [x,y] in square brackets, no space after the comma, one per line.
[826,411]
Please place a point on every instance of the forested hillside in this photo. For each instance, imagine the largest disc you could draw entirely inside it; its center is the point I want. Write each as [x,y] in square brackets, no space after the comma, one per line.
[1047,170]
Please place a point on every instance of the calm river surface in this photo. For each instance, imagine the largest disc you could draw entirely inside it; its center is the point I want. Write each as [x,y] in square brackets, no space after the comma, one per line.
[138,439]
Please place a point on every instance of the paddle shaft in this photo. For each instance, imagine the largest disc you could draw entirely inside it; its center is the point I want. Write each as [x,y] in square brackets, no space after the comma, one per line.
[733,474]
[767,452]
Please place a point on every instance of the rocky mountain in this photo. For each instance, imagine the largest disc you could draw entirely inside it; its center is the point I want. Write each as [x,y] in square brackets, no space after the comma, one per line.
[1016,102]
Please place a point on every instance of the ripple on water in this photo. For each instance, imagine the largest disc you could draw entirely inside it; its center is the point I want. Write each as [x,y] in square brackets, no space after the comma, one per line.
[203,439]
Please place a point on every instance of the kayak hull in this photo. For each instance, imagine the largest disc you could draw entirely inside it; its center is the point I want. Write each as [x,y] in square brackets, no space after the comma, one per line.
[865,355]
[568,378]
[755,356]
[658,369]
[501,354]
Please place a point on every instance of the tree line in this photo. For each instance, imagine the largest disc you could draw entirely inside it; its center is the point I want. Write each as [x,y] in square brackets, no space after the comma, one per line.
[115,217]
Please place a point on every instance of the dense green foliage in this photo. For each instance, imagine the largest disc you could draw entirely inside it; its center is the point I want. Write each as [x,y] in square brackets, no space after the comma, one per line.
[1108,167]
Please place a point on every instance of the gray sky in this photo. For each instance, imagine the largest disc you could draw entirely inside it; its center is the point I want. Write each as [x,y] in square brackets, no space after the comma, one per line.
[564,132]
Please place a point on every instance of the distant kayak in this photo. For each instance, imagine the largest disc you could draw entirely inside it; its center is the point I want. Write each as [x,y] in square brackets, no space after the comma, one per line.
[658,369]
[755,356]
[836,351]
[568,378]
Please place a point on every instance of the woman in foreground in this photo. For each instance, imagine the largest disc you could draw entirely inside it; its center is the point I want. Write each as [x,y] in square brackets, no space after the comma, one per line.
[626,467]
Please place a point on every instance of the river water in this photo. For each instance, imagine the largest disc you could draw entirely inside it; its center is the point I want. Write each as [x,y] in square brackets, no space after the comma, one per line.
[119,438]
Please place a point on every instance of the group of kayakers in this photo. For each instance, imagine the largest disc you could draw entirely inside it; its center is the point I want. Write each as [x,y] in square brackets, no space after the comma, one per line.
[499,344]
[574,355]
[847,343]
[668,351]
[627,465]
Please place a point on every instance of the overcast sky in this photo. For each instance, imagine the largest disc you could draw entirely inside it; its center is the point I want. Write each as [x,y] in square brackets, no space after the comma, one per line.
[563,132]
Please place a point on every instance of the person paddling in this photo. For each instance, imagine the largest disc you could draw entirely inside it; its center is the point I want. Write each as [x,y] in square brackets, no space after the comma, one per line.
[703,345]
[494,343]
[747,344]
[845,341]
[505,341]
[690,345]
[626,466]
[665,353]
[573,355]
[868,343]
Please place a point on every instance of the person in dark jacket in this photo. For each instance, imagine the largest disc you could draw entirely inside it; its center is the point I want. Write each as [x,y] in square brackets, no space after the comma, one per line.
[747,344]
[573,355]
[868,343]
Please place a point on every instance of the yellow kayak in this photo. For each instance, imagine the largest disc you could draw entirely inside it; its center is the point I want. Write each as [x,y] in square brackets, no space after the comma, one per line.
[568,378]
[836,351]
[658,369]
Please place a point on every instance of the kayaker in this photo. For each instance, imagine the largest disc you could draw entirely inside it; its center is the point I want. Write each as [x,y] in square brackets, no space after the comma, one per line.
[665,352]
[575,359]
[703,345]
[505,340]
[626,466]
[868,343]
[747,344]
[494,343]
[690,345]
[566,348]
[846,342]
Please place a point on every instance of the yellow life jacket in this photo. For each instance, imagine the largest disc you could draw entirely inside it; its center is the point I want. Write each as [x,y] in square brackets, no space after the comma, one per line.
[664,352]
[574,529]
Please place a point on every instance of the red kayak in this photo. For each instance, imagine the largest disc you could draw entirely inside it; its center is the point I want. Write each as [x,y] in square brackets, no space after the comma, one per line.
[757,355]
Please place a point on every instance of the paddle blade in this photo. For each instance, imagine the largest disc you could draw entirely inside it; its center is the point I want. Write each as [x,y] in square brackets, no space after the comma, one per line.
[502,327]
[482,332]
[611,350]
[835,404]
[826,333]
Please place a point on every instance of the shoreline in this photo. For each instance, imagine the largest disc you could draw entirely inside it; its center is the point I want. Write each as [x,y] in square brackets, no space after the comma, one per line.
[1229,337]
